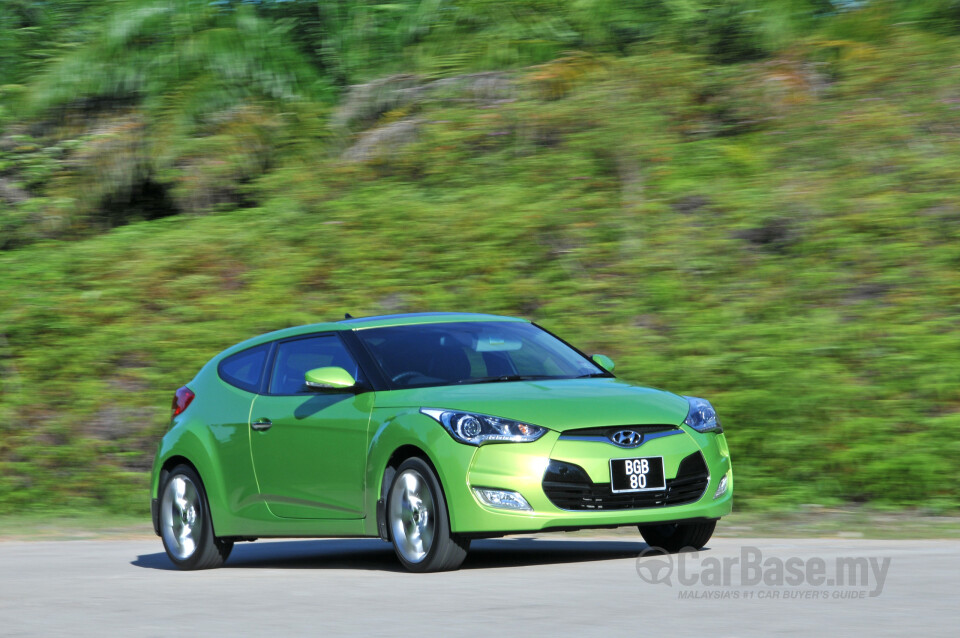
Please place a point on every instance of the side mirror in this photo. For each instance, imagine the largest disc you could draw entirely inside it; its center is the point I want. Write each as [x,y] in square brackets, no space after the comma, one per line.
[604,362]
[332,378]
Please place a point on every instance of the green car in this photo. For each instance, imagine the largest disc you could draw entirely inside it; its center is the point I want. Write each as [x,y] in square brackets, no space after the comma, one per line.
[429,430]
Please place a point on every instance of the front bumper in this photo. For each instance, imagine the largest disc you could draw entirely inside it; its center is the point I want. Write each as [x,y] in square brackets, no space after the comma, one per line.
[520,467]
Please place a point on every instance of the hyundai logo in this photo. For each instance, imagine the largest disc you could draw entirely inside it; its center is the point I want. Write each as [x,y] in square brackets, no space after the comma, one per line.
[627,438]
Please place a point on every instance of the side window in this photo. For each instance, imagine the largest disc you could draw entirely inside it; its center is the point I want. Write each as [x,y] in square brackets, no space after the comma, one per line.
[243,369]
[294,358]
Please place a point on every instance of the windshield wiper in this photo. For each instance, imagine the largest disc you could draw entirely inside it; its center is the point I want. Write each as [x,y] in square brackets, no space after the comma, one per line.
[505,377]
[592,374]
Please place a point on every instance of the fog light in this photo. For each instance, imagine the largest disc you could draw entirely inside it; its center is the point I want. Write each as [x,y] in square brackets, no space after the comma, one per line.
[722,488]
[504,499]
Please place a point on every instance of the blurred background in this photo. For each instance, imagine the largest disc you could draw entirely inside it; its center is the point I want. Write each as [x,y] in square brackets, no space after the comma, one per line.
[754,201]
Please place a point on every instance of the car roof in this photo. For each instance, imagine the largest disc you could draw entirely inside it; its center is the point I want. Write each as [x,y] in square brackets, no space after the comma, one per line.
[363,323]
[415,318]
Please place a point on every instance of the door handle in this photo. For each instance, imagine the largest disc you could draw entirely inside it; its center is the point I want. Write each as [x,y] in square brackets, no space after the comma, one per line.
[261,425]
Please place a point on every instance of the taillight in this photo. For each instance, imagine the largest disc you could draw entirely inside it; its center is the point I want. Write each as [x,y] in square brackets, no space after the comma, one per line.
[181,399]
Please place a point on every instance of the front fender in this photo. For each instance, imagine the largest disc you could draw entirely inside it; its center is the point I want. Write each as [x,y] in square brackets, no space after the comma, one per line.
[394,431]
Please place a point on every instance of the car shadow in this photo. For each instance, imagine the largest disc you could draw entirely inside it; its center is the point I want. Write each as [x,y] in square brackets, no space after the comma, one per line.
[374,554]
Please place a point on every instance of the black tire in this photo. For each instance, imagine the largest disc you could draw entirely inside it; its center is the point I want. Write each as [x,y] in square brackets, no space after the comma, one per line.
[201,549]
[672,537]
[445,551]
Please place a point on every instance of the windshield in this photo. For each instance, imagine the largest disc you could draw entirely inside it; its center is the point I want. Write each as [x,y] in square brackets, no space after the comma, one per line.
[473,352]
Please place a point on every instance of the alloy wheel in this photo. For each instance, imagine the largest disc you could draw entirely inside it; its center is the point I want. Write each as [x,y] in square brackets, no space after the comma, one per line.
[181,517]
[412,515]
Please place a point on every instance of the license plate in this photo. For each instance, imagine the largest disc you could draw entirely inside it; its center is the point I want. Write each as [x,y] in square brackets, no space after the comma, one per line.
[637,475]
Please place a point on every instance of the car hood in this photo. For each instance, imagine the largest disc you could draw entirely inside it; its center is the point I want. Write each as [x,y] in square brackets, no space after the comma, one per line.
[559,404]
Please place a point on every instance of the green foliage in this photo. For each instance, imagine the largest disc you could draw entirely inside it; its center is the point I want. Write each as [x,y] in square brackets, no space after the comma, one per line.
[938,15]
[34,31]
[181,58]
[353,40]
[169,106]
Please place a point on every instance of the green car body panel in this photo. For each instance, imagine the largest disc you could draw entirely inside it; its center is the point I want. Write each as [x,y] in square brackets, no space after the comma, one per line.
[320,468]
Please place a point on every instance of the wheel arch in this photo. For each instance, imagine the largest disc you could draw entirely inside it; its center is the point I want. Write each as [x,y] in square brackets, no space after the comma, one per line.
[200,455]
[171,463]
[402,435]
[396,459]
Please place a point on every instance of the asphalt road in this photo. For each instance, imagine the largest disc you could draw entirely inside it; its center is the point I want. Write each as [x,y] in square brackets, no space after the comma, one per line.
[553,585]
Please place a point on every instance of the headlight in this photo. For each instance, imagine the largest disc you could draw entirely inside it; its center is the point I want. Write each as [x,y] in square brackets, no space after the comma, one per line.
[701,416]
[477,429]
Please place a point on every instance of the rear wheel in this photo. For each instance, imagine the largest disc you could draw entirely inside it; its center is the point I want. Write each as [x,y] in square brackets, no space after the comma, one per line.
[672,537]
[418,521]
[185,523]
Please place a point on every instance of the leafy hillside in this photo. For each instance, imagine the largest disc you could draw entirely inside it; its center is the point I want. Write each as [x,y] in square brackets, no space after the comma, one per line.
[752,202]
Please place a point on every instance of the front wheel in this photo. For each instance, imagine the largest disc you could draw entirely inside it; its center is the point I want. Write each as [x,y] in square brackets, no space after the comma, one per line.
[418,521]
[185,524]
[672,537]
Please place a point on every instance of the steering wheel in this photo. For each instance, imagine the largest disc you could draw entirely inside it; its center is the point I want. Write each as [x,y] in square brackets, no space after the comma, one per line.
[405,376]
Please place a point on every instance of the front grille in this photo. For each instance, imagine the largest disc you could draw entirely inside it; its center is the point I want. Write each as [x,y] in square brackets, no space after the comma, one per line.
[569,488]
[606,431]
[605,434]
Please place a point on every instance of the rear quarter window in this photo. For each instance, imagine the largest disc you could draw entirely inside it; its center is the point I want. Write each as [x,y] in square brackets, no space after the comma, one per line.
[244,369]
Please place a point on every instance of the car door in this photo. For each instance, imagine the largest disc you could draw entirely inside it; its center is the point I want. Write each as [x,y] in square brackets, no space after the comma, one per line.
[309,446]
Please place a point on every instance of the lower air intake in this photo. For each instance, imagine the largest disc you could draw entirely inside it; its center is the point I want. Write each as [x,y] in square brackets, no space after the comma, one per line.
[569,488]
